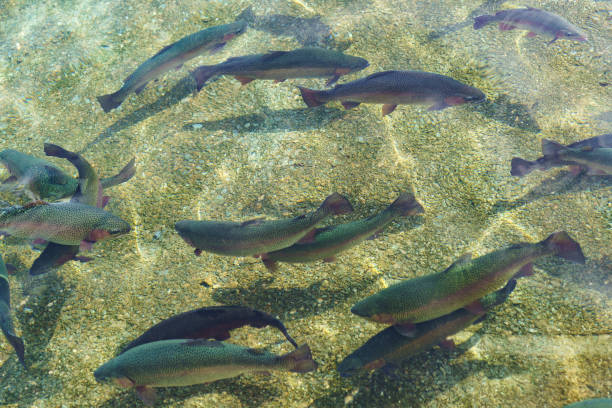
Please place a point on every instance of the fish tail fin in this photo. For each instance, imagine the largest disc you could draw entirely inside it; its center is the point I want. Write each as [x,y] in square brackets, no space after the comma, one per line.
[110,101]
[270,264]
[521,167]
[337,204]
[126,173]
[16,342]
[406,204]
[482,21]
[551,149]
[564,246]
[58,151]
[311,97]
[299,360]
[202,75]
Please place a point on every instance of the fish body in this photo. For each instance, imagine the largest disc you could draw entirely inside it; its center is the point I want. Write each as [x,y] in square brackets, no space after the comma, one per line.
[391,347]
[329,241]
[172,57]
[257,237]
[170,363]
[535,20]
[309,62]
[6,321]
[65,223]
[522,167]
[462,284]
[392,88]
[597,161]
[592,403]
[214,322]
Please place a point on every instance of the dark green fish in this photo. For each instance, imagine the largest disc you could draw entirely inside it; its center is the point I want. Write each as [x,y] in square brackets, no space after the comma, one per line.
[461,284]
[174,363]
[6,321]
[329,241]
[170,57]
[64,223]
[391,347]
[309,62]
[522,167]
[592,403]
[258,236]
[392,88]
[45,181]
[213,322]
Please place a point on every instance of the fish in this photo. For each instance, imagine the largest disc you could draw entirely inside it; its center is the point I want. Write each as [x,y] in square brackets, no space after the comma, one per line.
[461,284]
[308,62]
[172,56]
[389,347]
[592,403]
[392,88]
[64,223]
[329,241]
[521,167]
[182,362]
[6,321]
[256,237]
[535,20]
[213,322]
[44,180]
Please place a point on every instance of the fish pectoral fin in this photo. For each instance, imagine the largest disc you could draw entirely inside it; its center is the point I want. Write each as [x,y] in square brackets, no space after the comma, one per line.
[243,80]
[388,108]
[462,260]
[349,104]
[146,394]
[264,373]
[332,80]
[438,106]
[475,308]
[254,221]
[447,344]
[526,270]
[506,27]
[406,329]
[531,34]
[140,88]
[309,237]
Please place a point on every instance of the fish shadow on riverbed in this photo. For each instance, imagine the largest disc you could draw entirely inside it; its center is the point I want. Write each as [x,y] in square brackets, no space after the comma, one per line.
[269,120]
[304,302]
[250,395]
[565,182]
[488,7]
[47,295]
[510,113]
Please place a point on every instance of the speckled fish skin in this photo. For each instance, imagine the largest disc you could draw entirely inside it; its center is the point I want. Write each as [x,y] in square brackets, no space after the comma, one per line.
[597,161]
[171,57]
[335,239]
[170,363]
[521,167]
[390,347]
[308,62]
[257,237]
[463,283]
[6,321]
[65,223]
[535,20]
[393,88]
[213,322]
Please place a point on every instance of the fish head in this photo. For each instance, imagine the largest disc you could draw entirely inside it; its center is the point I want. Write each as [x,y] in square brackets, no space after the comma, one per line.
[349,366]
[109,373]
[110,226]
[235,29]
[571,34]
[467,94]
[357,64]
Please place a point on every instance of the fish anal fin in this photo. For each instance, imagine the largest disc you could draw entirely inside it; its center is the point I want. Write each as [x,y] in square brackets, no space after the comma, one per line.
[146,394]
[270,264]
[197,252]
[329,259]
[140,88]
[447,344]
[526,270]
[179,66]
[506,27]
[349,104]
[406,329]
[475,308]
[243,80]
[388,108]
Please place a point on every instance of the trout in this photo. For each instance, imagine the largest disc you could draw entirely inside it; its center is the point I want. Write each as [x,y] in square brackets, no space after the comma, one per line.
[596,161]
[214,322]
[173,363]
[309,62]
[64,223]
[391,347]
[592,403]
[536,21]
[256,237]
[522,167]
[461,284]
[329,241]
[6,321]
[392,88]
[170,57]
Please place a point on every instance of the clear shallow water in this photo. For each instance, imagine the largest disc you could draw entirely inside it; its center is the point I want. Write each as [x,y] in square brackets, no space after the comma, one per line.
[237,153]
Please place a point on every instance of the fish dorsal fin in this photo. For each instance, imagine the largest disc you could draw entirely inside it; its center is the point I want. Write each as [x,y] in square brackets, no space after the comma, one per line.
[254,221]
[379,74]
[202,342]
[256,351]
[587,148]
[35,204]
[274,54]
[463,259]
[519,245]
[162,50]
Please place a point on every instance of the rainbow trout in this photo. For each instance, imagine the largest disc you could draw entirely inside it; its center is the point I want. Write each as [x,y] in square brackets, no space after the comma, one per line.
[535,20]
[309,62]
[173,363]
[256,237]
[596,161]
[392,88]
[170,57]
[6,321]
[461,284]
[213,322]
[329,241]
[522,167]
[391,347]
[64,223]
[45,181]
